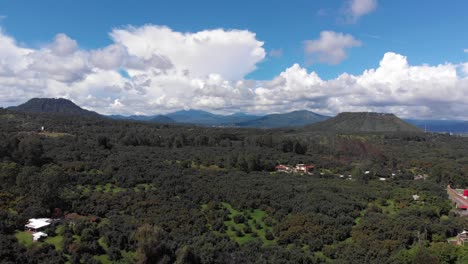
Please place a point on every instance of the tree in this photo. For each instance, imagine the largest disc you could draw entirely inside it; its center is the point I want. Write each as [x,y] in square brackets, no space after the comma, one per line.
[151,245]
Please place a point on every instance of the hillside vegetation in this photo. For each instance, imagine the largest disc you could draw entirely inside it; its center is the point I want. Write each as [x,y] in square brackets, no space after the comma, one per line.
[364,122]
[53,105]
[136,192]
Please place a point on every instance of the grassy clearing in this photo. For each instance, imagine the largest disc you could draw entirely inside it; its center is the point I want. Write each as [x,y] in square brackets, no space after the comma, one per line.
[56,241]
[77,238]
[54,134]
[203,167]
[128,256]
[389,208]
[7,116]
[103,259]
[103,243]
[252,220]
[24,238]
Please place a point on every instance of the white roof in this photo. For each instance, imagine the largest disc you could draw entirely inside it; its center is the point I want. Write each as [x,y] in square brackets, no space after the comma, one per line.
[38,223]
[38,235]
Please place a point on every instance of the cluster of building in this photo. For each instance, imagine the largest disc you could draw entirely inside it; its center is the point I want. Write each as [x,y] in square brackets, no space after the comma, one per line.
[299,168]
[35,225]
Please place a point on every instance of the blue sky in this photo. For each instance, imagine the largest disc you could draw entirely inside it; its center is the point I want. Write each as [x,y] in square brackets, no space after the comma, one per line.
[424,32]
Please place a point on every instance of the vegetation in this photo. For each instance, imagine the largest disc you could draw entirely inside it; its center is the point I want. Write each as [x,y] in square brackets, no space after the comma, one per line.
[135,192]
[364,122]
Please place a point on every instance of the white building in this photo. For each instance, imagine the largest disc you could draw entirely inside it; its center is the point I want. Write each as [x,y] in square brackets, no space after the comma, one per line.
[37,223]
[38,235]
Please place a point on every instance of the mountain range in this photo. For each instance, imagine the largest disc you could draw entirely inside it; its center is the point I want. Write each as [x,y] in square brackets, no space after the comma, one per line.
[357,122]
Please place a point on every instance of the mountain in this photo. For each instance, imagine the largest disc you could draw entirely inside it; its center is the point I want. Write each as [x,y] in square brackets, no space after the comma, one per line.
[132,117]
[52,105]
[452,126]
[161,119]
[194,117]
[364,122]
[200,117]
[292,119]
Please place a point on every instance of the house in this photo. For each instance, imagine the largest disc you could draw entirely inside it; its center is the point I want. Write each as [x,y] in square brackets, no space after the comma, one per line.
[35,224]
[460,240]
[299,168]
[283,168]
[38,235]
[303,168]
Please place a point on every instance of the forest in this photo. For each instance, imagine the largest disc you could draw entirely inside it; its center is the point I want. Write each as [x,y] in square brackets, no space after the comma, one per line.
[137,192]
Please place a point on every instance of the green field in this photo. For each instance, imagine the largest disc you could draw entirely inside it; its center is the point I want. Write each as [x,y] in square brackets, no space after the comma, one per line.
[253,218]
[24,238]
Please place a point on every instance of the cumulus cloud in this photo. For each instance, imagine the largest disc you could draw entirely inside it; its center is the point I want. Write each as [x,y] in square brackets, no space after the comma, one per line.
[231,54]
[355,9]
[136,75]
[330,47]
[395,86]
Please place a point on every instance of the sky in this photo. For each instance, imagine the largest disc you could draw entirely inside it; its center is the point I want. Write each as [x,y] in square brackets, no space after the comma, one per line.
[153,57]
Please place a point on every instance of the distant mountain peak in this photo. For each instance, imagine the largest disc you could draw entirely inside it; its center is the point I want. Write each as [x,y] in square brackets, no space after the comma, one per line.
[53,105]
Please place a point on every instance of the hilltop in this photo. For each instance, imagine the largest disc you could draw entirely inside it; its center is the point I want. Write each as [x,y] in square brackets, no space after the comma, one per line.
[364,122]
[52,105]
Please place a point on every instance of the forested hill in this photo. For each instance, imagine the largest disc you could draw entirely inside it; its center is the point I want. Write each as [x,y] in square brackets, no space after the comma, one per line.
[139,192]
[364,122]
[292,119]
[53,105]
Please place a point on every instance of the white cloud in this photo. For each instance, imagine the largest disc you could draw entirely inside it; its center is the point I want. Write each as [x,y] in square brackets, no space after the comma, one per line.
[395,86]
[330,47]
[357,8]
[465,50]
[232,54]
[63,45]
[160,81]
